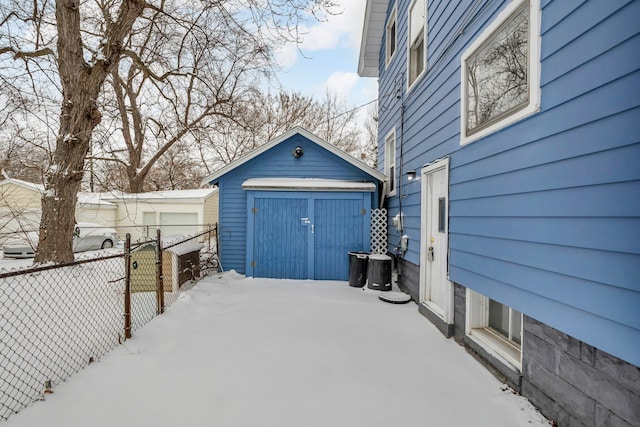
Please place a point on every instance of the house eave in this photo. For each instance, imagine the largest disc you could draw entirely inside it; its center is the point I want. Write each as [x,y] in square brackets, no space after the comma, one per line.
[375,16]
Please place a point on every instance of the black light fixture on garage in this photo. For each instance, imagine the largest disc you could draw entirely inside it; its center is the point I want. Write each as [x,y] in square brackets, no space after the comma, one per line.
[297,152]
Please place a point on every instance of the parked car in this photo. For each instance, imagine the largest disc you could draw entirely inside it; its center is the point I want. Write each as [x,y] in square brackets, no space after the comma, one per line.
[87,236]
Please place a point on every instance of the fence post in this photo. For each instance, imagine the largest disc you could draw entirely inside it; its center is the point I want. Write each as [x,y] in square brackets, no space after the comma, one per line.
[159,278]
[217,240]
[127,287]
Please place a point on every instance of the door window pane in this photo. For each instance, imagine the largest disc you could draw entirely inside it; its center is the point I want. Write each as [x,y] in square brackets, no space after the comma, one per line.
[442,214]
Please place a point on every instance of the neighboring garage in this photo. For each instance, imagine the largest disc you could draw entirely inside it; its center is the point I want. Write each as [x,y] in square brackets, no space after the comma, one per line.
[294,208]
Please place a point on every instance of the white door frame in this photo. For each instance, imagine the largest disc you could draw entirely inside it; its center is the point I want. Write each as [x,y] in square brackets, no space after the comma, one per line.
[445,313]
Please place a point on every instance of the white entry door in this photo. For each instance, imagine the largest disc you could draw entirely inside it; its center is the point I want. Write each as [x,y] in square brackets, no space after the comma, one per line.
[436,291]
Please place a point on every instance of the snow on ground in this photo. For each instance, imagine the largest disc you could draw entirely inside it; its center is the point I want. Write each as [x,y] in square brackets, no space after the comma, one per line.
[236,351]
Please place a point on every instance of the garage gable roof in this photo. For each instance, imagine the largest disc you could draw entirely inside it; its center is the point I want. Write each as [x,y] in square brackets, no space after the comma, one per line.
[285,136]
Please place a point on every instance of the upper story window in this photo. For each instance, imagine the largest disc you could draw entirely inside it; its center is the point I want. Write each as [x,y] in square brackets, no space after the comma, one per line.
[391,36]
[500,72]
[417,34]
[390,162]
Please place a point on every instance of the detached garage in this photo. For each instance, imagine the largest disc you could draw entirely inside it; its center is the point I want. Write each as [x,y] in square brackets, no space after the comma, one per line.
[293,208]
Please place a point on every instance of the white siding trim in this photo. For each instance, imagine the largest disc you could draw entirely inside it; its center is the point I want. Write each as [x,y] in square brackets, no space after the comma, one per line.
[409,41]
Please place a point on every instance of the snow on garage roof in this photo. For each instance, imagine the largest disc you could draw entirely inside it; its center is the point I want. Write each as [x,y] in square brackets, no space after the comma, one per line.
[159,196]
[306,184]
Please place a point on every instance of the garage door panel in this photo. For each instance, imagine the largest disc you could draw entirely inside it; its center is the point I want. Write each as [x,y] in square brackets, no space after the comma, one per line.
[338,230]
[280,238]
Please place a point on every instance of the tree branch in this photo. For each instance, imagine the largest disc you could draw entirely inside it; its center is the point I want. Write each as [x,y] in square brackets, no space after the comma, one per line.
[19,54]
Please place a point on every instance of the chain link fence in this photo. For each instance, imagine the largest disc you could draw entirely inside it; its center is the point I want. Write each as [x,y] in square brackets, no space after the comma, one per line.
[56,319]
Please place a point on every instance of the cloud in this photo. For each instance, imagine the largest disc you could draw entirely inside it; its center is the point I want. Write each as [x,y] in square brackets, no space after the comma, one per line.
[342,30]
[341,83]
[287,55]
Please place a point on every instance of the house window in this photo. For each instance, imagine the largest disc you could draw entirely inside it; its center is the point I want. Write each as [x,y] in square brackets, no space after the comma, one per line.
[391,40]
[390,162]
[505,321]
[417,54]
[500,72]
[495,326]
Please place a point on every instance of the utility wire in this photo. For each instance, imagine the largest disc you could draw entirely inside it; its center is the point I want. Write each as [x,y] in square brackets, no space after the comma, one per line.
[352,110]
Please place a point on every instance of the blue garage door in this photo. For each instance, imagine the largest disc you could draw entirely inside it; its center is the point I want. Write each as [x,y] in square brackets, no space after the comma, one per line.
[306,235]
[281,241]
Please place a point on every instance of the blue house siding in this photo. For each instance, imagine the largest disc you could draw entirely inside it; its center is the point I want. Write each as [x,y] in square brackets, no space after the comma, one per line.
[430,128]
[544,214]
[316,162]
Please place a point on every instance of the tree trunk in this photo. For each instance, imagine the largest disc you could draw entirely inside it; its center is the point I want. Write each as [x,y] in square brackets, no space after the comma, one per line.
[63,183]
[81,85]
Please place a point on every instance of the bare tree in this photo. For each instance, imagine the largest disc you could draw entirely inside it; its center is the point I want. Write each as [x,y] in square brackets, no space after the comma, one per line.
[269,116]
[77,46]
[202,66]
[370,152]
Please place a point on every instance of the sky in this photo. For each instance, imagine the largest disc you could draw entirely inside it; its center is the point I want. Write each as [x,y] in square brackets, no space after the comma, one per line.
[236,351]
[329,58]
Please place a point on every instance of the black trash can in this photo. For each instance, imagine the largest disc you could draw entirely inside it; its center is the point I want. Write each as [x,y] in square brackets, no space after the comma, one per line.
[358,269]
[379,272]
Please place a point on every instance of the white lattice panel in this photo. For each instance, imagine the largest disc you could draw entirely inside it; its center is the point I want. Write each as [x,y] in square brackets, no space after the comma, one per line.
[379,231]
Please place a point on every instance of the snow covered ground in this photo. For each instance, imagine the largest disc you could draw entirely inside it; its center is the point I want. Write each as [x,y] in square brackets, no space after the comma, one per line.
[235,351]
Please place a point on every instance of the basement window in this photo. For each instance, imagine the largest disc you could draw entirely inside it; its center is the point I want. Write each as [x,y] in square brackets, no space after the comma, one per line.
[495,326]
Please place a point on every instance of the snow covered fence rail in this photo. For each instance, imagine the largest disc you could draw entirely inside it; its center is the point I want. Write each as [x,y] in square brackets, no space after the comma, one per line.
[56,319]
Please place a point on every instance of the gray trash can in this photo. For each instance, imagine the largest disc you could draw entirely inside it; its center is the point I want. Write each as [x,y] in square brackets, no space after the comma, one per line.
[379,272]
[358,269]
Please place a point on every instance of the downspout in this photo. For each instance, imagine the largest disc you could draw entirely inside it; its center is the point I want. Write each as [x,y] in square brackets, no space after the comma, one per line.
[398,251]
